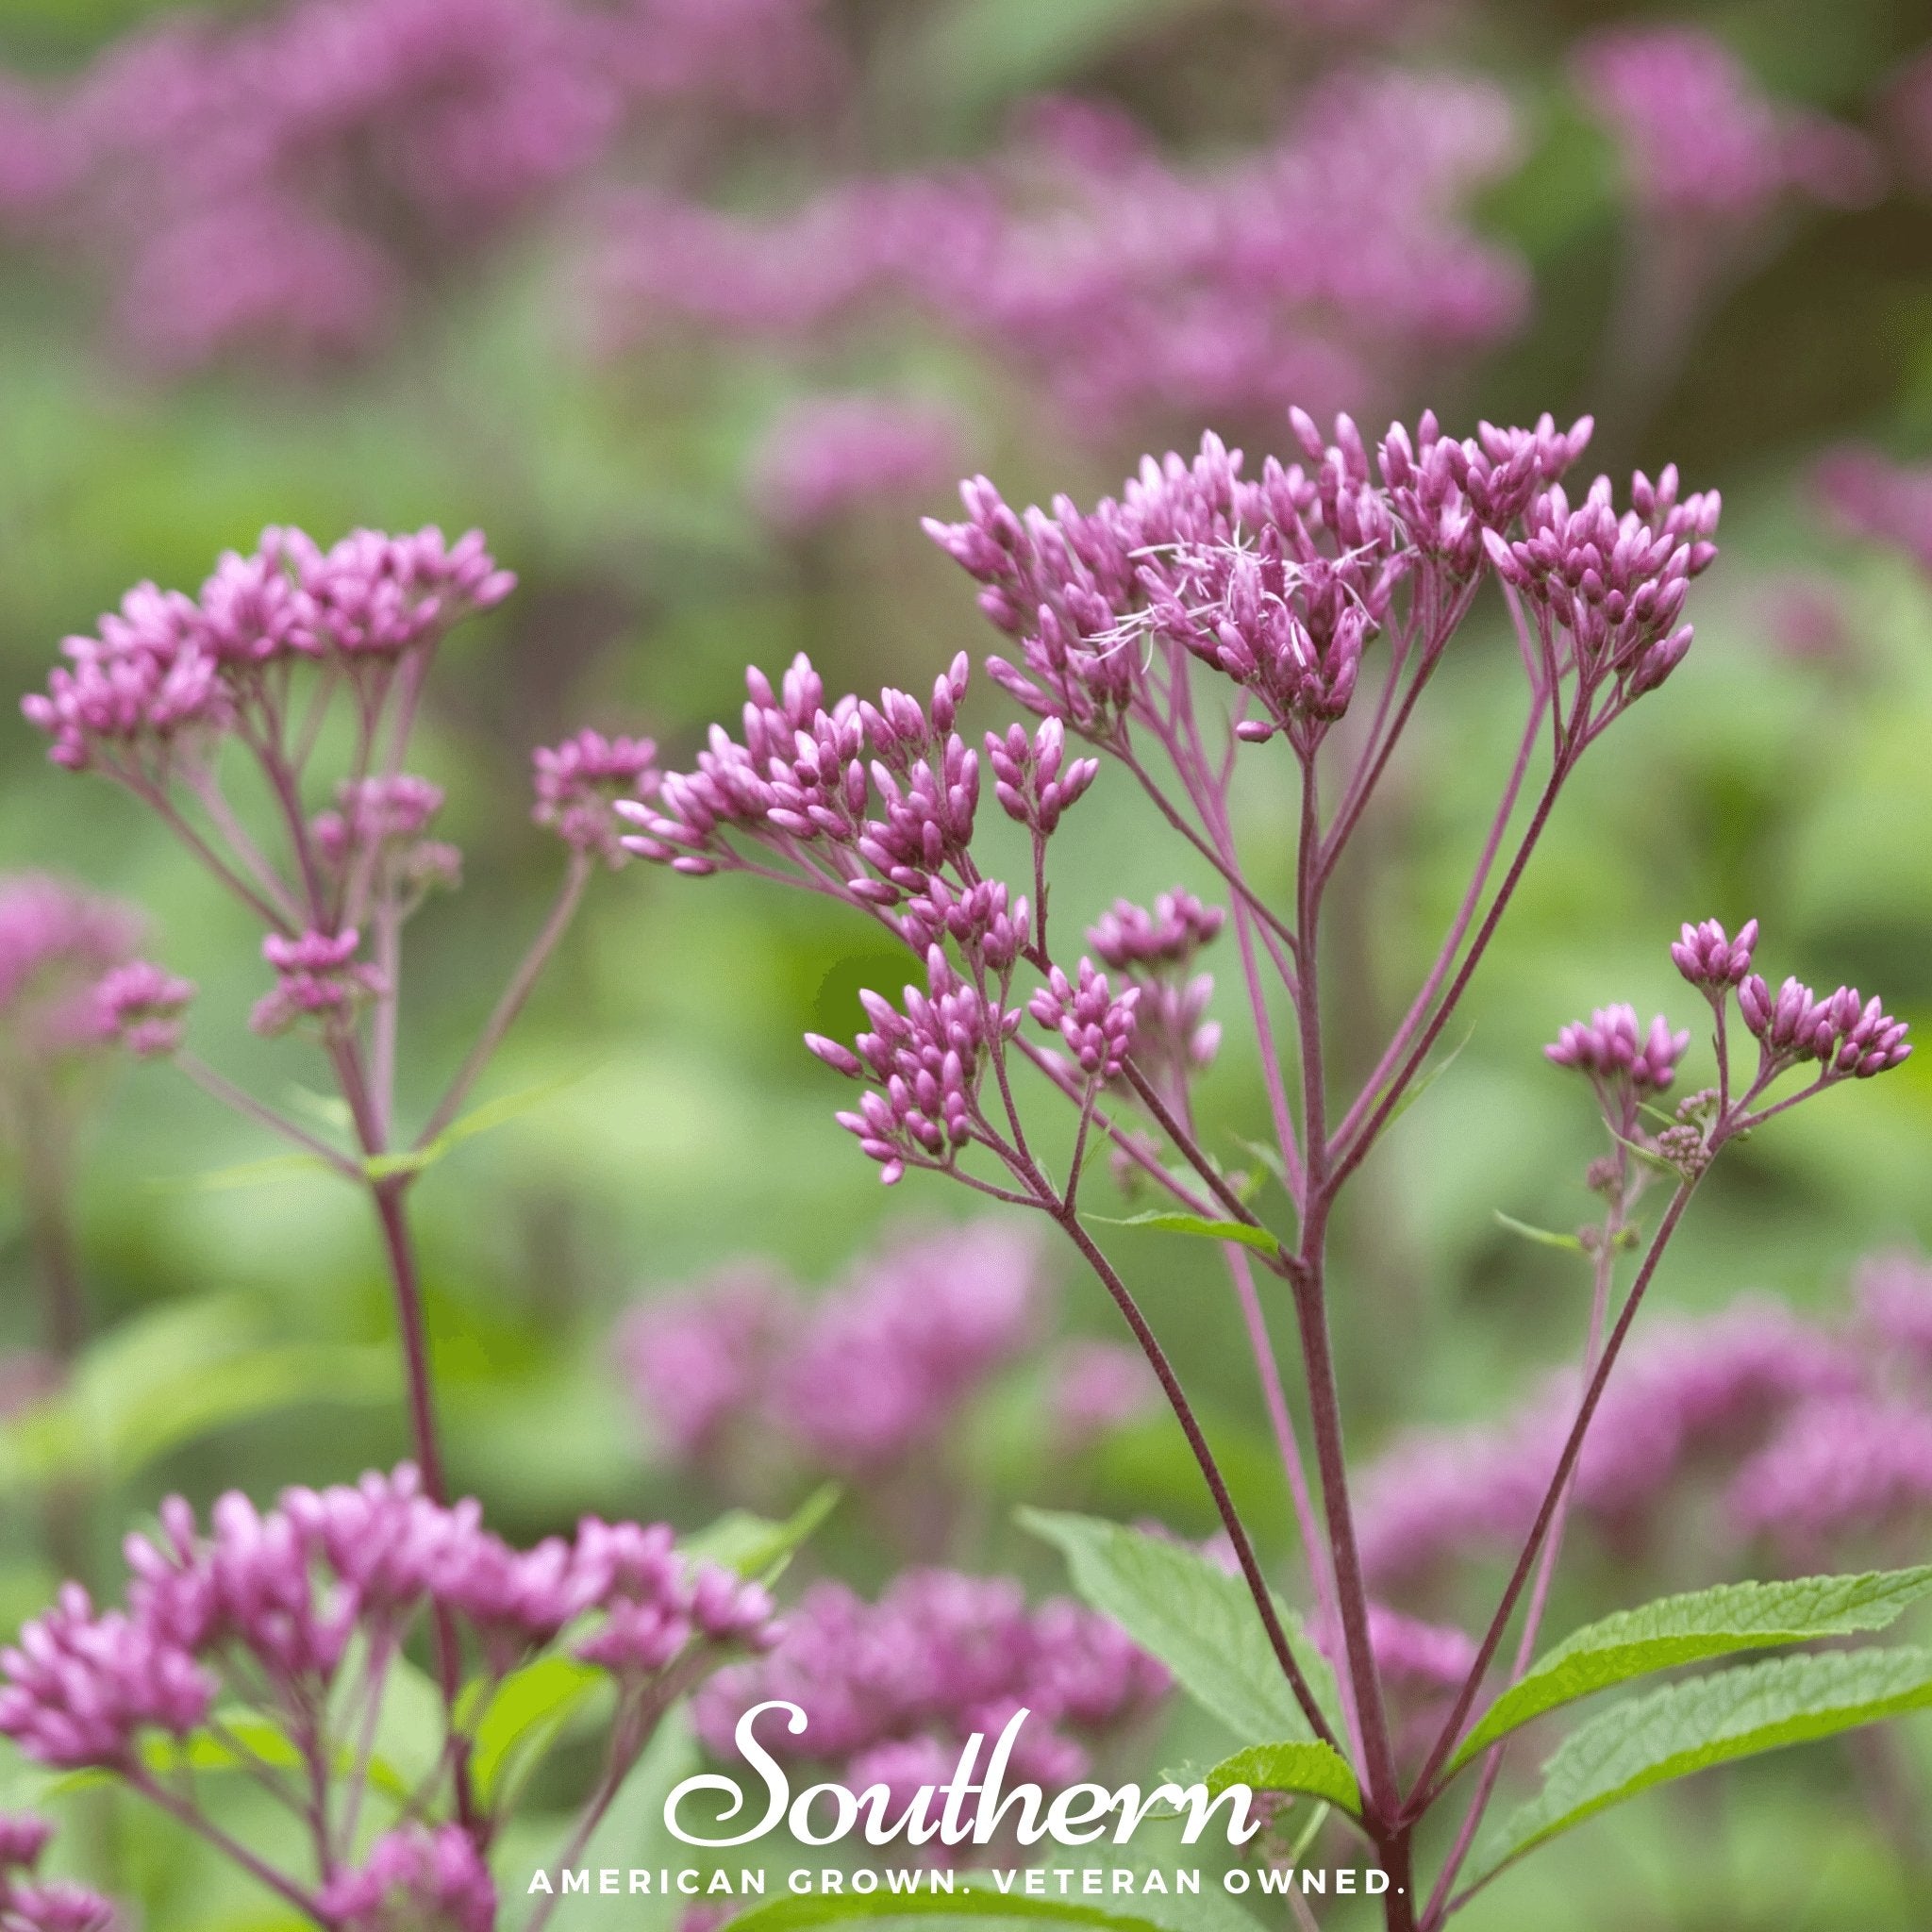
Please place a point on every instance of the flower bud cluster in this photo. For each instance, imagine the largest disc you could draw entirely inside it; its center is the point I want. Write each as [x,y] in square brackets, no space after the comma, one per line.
[1612,588]
[1279,582]
[1173,1035]
[579,782]
[57,941]
[278,1594]
[28,1904]
[1096,1024]
[1848,1037]
[418,1874]
[141,1008]
[168,671]
[1623,1063]
[1031,779]
[922,1063]
[318,977]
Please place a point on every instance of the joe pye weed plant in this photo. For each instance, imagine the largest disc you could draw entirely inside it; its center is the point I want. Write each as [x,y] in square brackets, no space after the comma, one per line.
[377,1662]
[1206,618]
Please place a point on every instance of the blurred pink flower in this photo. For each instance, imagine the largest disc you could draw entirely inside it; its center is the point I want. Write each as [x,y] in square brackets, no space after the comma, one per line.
[826,454]
[1699,136]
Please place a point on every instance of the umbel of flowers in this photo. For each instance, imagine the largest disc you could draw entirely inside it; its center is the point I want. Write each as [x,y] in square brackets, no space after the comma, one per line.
[1206,617]
[303,1619]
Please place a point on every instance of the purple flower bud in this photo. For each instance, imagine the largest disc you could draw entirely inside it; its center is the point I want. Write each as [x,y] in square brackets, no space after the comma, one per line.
[317,977]
[1128,937]
[1096,1025]
[416,1875]
[1710,960]
[140,1006]
[580,782]
[1609,1047]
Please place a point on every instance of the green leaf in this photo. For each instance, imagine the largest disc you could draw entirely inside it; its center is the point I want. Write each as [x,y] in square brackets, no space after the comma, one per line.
[1688,1728]
[1199,1620]
[1313,1770]
[520,1723]
[171,1376]
[1171,1222]
[1427,1078]
[1692,1629]
[1549,1239]
[479,1120]
[245,1173]
[754,1546]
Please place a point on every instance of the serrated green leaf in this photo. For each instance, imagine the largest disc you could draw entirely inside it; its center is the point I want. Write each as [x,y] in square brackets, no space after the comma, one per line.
[1687,1728]
[754,1546]
[1169,1221]
[1546,1237]
[1694,1629]
[1198,1620]
[522,1719]
[1313,1770]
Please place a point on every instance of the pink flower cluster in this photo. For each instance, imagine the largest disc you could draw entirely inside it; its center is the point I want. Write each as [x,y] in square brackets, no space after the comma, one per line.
[1125,285]
[860,1378]
[57,942]
[824,454]
[1873,498]
[287,1588]
[892,1689]
[279,182]
[1699,137]
[1815,1436]
[579,782]
[415,1876]
[168,672]
[28,1904]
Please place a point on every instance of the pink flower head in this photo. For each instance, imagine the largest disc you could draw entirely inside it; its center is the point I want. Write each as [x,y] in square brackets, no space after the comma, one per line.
[141,1008]
[419,1878]
[1614,586]
[922,1066]
[382,1536]
[1894,1297]
[81,1689]
[55,941]
[317,977]
[1849,1037]
[1710,959]
[1130,939]
[1701,140]
[1880,500]
[374,814]
[23,1836]
[1096,1024]
[1837,1468]
[878,1369]
[1031,781]
[936,1657]
[58,1905]
[579,782]
[1099,1387]
[1611,1049]
[985,922]
[697,1362]
[826,454]
[377,596]
[142,691]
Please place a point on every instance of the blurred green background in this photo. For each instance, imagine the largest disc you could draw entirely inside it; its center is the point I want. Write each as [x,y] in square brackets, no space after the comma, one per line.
[1762,781]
